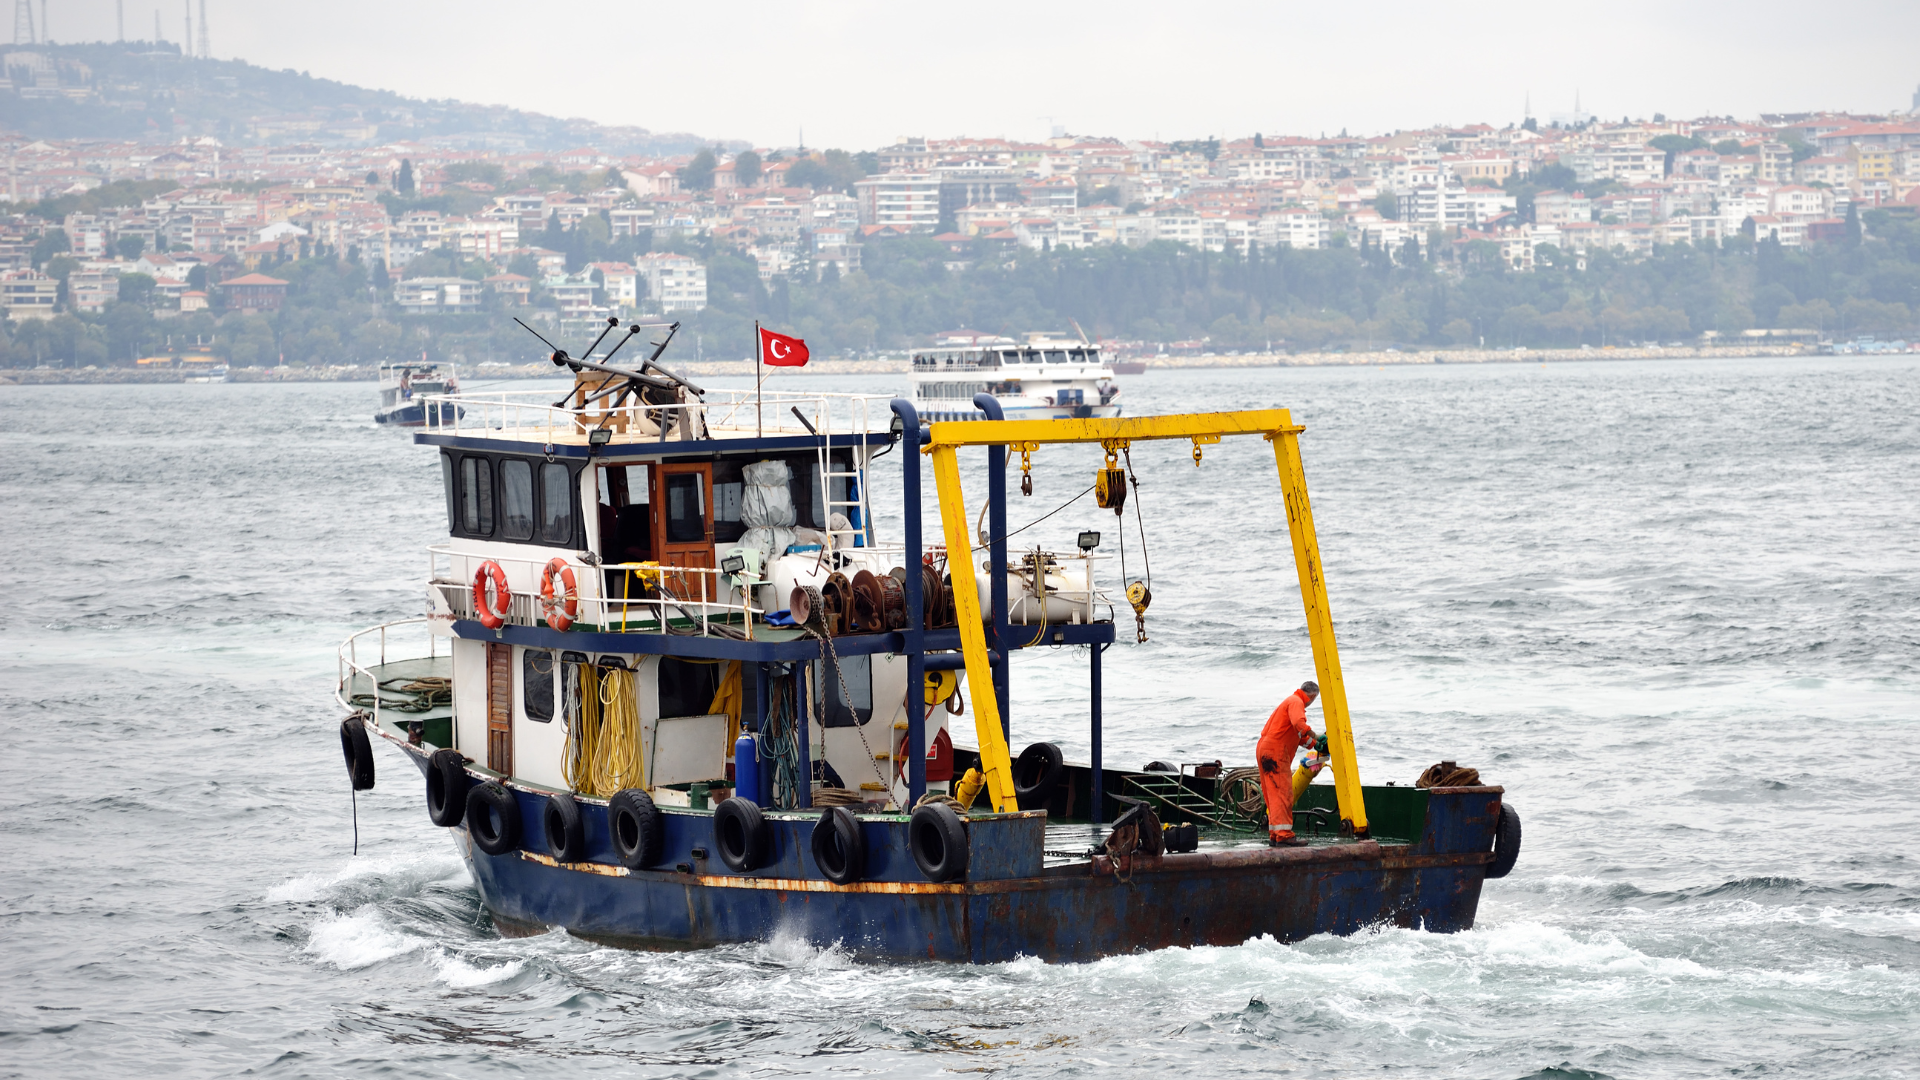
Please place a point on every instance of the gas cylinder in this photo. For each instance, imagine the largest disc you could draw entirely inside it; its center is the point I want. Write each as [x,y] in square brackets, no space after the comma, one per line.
[746,768]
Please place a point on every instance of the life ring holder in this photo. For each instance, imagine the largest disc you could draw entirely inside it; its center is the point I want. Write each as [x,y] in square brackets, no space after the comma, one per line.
[491,617]
[559,610]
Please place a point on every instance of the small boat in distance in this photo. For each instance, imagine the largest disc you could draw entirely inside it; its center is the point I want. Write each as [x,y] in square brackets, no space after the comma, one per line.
[1044,378]
[404,388]
[1129,367]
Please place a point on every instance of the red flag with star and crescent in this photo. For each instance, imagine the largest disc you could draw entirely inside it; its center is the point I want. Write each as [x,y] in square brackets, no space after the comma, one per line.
[779,350]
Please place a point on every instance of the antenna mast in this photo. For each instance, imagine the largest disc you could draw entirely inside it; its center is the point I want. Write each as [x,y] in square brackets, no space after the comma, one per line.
[23,22]
[205,52]
[186,22]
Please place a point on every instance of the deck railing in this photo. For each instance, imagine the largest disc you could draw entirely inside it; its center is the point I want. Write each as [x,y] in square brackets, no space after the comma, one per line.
[692,600]
[533,416]
[375,640]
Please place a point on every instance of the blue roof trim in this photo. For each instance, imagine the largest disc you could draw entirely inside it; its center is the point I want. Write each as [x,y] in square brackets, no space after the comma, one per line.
[670,448]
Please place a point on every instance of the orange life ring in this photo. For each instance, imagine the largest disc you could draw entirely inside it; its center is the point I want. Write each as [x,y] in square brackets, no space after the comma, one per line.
[493,618]
[561,610]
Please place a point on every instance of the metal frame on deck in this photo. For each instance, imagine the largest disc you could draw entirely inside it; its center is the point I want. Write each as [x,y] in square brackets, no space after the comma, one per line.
[986,680]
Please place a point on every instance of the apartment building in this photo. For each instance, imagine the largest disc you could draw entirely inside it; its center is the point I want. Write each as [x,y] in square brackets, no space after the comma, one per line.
[674,282]
[909,201]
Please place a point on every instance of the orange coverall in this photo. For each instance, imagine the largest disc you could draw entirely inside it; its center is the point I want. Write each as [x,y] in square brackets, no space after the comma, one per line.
[1280,741]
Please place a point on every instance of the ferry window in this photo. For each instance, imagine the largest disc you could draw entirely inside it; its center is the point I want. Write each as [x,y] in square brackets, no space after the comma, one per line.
[687,687]
[446,482]
[1010,357]
[536,684]
[516,499]
[556,504]
[686,509]
[476,496]
[1056,356]
[840,712]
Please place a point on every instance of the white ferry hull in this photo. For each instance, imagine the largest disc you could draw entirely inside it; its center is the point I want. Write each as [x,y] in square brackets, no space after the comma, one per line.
[1026,412]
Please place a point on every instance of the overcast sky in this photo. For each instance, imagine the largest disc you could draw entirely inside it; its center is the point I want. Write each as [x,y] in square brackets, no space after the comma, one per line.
[859,73]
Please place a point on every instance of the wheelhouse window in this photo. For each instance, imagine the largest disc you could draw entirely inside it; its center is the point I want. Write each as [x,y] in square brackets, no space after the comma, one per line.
[476,496]
[516,499]
[556,504]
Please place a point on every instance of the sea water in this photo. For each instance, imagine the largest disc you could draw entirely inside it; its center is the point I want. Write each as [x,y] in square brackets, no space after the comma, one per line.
[1673,607]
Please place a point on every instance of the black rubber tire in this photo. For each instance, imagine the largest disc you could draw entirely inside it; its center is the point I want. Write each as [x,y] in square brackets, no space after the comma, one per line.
[493,818]
[358,750]
[1158,766]
[1506,843]
[938,839]
[1036,773]
[839,847]
[639,832]
[1182,838]
[447,784]
[742,834]
[566,832]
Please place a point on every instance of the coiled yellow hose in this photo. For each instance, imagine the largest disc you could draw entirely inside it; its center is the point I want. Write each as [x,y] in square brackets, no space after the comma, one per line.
[603,754]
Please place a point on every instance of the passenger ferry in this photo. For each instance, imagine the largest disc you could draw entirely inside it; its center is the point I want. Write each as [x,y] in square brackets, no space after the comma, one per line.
[1046,378]
[404,389]
[674,688]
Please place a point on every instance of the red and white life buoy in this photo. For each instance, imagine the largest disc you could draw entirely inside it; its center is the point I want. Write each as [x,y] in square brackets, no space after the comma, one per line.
[559,610]
[491,617]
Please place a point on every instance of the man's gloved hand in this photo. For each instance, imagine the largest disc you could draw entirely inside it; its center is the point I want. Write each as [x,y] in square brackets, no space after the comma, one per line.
[1320,746]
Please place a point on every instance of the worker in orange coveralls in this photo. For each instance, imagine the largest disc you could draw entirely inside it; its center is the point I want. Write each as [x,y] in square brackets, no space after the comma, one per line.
[1280,742]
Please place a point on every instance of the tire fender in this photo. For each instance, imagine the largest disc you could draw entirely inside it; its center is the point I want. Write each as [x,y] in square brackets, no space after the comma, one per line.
[639,832]
[1036,773]
[447,784]
[358,750]
[493,818]
[839,847]
[1506,843]
[566,832]
[938,839]
[741,833]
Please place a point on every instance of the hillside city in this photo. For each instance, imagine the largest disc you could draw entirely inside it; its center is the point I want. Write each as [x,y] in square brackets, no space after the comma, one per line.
[113,250]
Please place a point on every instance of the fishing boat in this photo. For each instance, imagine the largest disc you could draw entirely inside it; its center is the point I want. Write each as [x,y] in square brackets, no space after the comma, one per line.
[1044,378]
[405,388]
[673,689]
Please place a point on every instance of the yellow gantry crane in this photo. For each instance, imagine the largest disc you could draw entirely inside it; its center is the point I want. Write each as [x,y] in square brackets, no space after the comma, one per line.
[1115,435]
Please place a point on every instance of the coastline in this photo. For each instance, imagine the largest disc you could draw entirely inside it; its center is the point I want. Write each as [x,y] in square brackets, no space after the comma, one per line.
[710,368]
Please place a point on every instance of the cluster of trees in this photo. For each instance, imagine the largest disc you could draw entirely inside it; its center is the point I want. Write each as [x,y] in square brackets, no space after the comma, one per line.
[1342,297]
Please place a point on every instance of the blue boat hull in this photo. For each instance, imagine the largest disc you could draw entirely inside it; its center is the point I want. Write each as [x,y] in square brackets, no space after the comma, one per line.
[1009,906]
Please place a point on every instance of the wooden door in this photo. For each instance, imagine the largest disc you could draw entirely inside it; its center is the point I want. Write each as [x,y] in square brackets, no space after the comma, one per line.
[683,526]
[500,708]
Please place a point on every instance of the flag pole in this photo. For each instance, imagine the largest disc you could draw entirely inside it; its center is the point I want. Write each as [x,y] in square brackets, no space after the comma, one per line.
[758,348]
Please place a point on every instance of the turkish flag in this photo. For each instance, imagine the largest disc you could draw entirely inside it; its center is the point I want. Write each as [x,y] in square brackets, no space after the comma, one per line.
[780,350]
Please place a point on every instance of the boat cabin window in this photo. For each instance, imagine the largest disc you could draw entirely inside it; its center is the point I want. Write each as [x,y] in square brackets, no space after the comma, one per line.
[516,499]
[1010,356]
[687,687]
[686,508]
[1056,356]
[556,504]
[481,488]
[476,496]
[536,684]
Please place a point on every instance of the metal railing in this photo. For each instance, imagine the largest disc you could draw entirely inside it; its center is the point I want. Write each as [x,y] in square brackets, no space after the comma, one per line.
[692,600]
[350,666]
[531,415]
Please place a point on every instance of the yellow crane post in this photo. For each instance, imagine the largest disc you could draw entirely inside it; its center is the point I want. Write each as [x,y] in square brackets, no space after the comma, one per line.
[1277,426]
